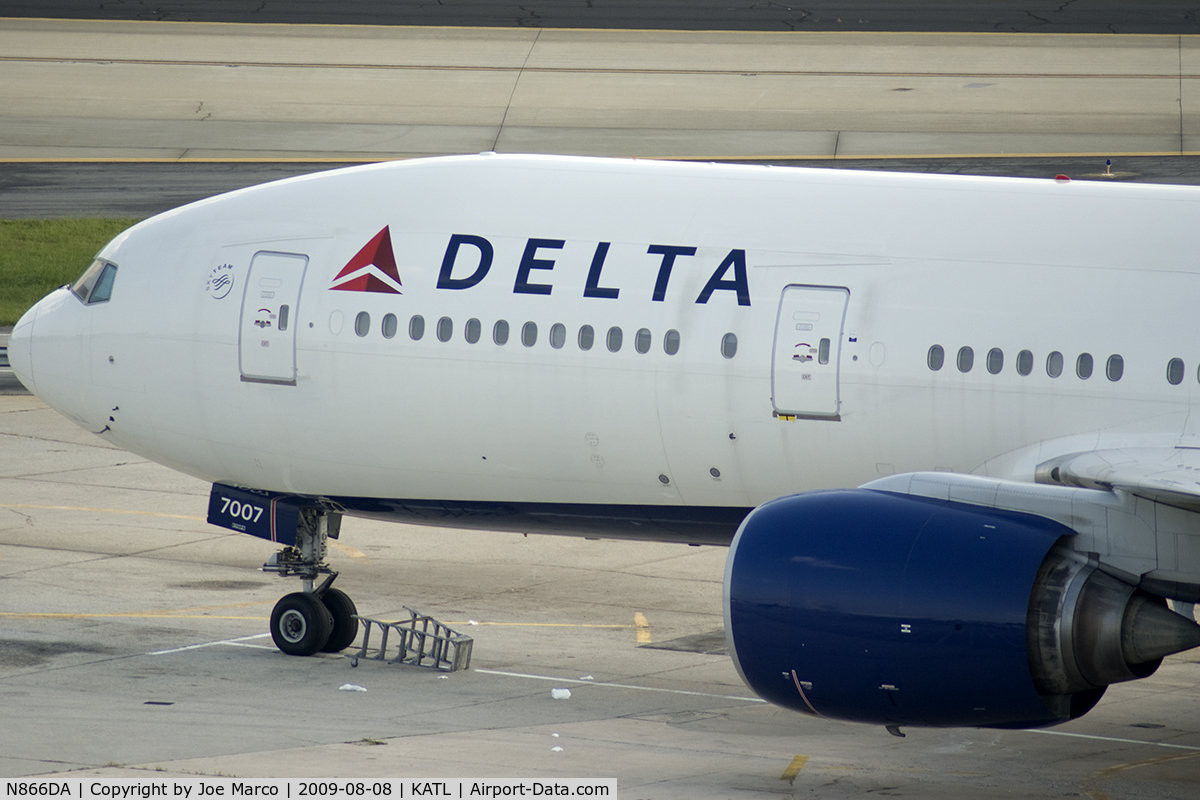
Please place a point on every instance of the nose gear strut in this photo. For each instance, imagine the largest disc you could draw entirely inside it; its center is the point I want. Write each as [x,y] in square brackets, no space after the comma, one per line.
[319,618]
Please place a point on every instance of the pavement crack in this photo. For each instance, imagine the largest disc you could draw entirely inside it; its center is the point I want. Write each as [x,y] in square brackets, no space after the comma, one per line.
[1181,126]
[104,446]
[513,93]
[534,20]
[28,519]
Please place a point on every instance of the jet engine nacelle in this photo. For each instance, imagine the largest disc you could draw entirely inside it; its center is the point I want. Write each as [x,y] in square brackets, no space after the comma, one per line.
[875,607]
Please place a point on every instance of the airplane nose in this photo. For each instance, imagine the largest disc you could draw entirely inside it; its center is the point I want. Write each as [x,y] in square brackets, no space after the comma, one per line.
[20,349]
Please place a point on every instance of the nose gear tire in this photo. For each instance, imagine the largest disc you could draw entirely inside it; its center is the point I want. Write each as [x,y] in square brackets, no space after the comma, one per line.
[301,624]
[345,626]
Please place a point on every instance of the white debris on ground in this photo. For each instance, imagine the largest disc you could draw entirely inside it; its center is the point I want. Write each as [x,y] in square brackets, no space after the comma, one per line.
[555,749]
[560,694]
[351,687]
[587,678]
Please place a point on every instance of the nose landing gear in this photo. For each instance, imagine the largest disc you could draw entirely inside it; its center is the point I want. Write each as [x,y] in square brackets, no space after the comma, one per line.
[320,618]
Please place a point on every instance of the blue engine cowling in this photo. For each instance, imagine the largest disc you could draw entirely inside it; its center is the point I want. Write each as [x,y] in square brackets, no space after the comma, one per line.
[875,607]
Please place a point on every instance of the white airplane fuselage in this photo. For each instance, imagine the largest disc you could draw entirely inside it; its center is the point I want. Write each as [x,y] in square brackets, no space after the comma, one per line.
[913,262]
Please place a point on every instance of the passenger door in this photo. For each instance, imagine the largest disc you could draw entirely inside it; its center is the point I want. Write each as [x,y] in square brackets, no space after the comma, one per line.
[267,334]
[808,346]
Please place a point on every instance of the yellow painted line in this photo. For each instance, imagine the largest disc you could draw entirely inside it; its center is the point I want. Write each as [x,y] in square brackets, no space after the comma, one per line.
[178,613]
[532,32]
[643,628]
[931,156]
[202,159]
[1091,786]
[101,511]
[189,613]
[344,549]
[598,70]
[713,158]
[129,615]
[347,550]
[793,769]
[214,608]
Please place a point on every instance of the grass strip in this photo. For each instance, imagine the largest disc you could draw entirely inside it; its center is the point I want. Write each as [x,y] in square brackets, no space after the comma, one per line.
[39,255]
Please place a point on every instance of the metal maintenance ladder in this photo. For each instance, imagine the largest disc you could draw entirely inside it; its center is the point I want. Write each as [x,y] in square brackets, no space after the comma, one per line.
[422,642]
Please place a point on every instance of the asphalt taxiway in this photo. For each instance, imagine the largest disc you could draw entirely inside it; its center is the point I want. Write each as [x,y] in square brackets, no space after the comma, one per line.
[1170,17]
[134,641]
[38,190]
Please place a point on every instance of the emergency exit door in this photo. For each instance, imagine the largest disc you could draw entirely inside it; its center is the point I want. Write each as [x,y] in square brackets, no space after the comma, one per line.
[808,346]
[267,336]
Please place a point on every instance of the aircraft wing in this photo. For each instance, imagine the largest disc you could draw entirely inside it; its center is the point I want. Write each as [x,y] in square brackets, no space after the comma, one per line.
[1169,475]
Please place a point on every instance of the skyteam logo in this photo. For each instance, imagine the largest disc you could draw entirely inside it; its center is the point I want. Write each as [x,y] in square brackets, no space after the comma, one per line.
[373,269]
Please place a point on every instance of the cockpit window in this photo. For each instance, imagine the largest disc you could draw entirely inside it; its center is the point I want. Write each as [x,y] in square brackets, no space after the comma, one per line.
[96,283]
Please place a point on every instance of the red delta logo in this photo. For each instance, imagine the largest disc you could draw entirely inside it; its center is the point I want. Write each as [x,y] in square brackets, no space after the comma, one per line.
[373,269]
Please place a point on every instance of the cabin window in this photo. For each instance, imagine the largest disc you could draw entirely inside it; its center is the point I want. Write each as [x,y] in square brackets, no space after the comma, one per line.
[587,337]
[284,313]
[615,337]
[671,342]
[641,342]
[995,360]
[389,326]
[729,345]
[472,331]
[823,351]
[500,332]
[558,335]
[362,323]
[529,334]
[936,357]
[1115,368]
[1054,364]
[966,359]
[1024,362]
[1175,372]
[416,328]
[445,329]
[1083,366]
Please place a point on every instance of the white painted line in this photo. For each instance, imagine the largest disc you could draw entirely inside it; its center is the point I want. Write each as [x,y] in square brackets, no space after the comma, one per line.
[236,641]
[1115,739]
[760,700]
[620,686]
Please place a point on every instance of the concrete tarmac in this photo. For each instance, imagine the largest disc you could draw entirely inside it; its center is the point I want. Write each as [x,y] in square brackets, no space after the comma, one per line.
[119,90]
[134,642]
